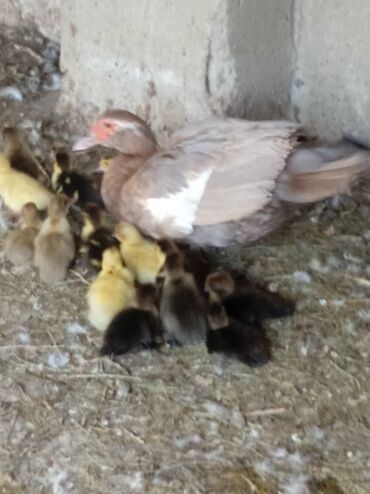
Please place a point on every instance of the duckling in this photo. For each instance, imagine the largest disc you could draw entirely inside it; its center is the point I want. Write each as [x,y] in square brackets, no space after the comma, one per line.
[94,236]
[17,188]
[73,184]
[135,327]
[247,343]
[20,155]
[111,292]
[54,244]
[19,243]
[181,307]
[246,303]
[144,258]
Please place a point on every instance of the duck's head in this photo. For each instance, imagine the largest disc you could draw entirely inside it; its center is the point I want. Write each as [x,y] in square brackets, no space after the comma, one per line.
[120,130]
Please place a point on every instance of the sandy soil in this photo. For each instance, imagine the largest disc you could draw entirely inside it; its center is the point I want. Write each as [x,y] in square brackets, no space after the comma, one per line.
[182,421]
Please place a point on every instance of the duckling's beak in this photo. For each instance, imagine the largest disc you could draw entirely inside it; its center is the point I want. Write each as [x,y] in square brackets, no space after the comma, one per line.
[85,143]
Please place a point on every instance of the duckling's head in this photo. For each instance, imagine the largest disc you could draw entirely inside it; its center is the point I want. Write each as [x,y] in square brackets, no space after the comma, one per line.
[29,215]
[146,296]
[62,161]
[112,259]
[174,265]
[11,136]
[4,163]
[167,245]
[120,130]
[59,206]
[127,233]
[220,282]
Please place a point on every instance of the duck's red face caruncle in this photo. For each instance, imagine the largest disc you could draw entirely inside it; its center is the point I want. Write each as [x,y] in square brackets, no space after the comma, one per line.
[104,129]
[101,134]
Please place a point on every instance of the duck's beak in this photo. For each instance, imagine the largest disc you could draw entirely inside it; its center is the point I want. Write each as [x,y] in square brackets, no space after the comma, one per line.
[85,143]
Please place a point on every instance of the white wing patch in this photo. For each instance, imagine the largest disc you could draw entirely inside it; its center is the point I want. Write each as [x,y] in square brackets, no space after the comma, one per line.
[181,207]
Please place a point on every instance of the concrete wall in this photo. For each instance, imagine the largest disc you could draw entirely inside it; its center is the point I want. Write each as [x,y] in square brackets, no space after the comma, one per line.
[44,14]
[331,85]
[171,61]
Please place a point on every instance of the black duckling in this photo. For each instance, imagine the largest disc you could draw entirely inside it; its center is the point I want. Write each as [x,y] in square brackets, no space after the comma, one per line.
[136,327]
[73,184]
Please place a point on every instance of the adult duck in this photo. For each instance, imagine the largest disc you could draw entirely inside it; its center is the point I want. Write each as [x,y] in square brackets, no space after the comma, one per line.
[218,182]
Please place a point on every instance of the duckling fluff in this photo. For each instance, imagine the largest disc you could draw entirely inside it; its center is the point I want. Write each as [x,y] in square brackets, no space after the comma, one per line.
[112,291]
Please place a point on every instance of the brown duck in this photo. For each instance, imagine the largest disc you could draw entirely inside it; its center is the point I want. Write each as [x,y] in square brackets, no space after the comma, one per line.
[218,182]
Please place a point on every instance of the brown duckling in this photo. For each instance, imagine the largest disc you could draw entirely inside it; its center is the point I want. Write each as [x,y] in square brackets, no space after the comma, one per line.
[54,244]
[19,243]
[246,342]
[247,304]
[136,327]
[19,154]
[182,309]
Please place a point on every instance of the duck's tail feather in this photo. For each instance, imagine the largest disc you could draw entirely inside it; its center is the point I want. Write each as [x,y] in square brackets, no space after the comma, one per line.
[318,173]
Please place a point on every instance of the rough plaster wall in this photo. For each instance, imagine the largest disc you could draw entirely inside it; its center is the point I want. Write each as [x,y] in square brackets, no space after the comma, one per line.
[171,61]
[261,40]
[330,91]
[44,14]
[145,56]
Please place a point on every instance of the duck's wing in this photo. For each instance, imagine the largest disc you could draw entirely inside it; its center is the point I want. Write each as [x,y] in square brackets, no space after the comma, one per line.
[212,172]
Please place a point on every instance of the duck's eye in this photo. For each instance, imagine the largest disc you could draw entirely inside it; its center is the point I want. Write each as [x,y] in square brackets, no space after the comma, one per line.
[108,125]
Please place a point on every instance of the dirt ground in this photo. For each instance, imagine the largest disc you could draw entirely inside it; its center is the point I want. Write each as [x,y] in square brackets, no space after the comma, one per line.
[182,421]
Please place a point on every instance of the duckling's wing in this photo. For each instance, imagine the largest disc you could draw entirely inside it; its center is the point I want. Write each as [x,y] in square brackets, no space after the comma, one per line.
[213,172]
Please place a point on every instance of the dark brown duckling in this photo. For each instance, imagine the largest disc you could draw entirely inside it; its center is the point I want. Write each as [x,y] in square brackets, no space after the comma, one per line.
[95,237]
[73,184]
[246,303]
[182,308]
[136,327]
[245,342]
[19,154]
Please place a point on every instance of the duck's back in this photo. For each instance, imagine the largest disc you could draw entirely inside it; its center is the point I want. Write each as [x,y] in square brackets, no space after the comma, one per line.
[210,173]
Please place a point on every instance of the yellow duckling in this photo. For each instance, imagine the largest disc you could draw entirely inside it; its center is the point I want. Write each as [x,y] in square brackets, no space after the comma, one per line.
[18,189]
[143,257]
[112,291]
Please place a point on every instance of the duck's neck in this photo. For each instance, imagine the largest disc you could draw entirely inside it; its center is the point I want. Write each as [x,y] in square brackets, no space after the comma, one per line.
[121,169]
